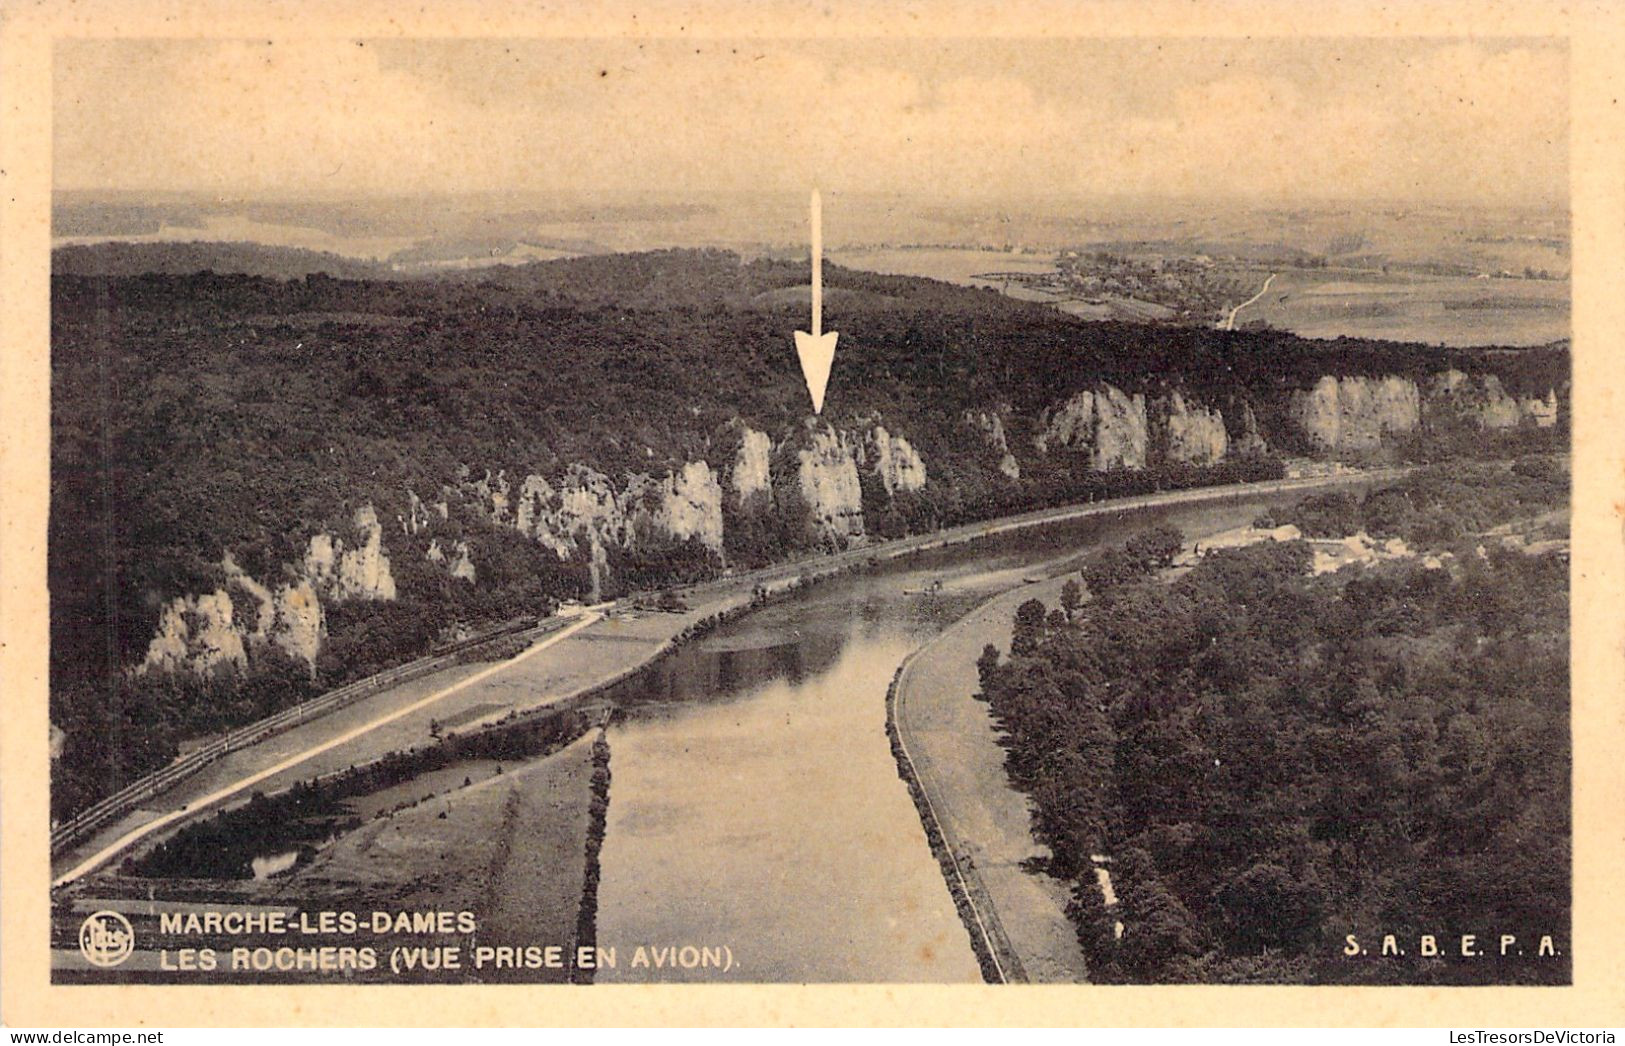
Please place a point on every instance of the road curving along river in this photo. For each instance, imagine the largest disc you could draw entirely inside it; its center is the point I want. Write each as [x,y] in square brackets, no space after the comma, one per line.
[755,808]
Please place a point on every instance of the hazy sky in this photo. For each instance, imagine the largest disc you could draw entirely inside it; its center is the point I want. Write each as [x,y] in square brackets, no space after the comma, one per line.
[1275,120]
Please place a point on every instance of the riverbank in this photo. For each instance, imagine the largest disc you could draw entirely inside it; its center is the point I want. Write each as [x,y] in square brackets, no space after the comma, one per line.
[981,826]
[950,754]
[577,662]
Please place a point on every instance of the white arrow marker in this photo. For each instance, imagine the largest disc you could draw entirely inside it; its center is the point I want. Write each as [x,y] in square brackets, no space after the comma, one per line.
[816,350]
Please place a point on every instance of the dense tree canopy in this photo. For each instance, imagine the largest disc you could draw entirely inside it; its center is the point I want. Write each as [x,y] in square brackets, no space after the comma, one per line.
[1275,761]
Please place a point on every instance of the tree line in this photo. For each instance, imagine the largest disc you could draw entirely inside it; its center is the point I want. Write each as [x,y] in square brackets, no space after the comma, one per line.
[1273,761]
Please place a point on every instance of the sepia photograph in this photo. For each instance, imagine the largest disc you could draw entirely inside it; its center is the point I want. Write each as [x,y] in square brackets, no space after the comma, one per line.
[809,509]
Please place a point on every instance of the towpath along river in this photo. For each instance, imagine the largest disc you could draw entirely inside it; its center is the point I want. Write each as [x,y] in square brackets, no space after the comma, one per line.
[755,803]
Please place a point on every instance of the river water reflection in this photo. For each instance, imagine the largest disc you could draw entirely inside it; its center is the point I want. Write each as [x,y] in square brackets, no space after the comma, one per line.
[755,803]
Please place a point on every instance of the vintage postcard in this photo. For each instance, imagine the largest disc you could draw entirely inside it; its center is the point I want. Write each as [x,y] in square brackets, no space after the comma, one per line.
[812,502]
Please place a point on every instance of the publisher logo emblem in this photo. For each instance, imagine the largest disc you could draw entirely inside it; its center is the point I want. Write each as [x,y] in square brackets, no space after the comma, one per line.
[106,939]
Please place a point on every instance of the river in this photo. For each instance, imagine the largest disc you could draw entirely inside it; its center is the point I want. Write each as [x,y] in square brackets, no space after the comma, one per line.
[755,804]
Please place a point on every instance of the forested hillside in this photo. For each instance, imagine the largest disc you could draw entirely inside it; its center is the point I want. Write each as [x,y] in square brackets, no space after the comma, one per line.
[262,487]
[1272,762]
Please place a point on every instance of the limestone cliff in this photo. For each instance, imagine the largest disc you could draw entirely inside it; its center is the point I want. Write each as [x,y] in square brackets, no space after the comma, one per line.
[1354,413]
[991,424]
[1106,422]
[301,624]
[691,505]
[1337,414]
[1456,398]
[827,478]
[585,508]
[751,476]
[1499,410]
[1541,411]
[581,509]
[898,464]
[459,564]
[360,572]
[211,631]
[1195,434]
[197,634]
[1251,440]
[291,618]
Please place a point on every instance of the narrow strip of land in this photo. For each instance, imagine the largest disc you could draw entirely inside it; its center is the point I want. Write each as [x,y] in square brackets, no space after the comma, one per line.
[129,838]
[984,822]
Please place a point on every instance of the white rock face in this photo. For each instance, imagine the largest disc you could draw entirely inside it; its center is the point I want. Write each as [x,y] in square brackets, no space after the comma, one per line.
[201,633]
[417,514]
[59,738]
[462,567]
[1543,412]
[691,506]
[1108,423]
[265,615]
[1343,414]
[300,626]
[992,425]
[898,464]
[828,479]
[1500,410]
[1251,440]
[354,573]
[1485,401]
[1196,435]
[491,495]
[292,618]
[751,472]
[585,508]
[459,564]
[196,634]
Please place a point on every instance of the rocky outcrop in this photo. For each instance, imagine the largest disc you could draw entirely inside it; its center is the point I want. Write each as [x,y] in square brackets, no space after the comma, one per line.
[1106,422]
[1457,398]
[361,572]
[1251,440]
[1355,414]
[898,464]
[1195,434]
[752,471]
[991,424]
[204,634]
[691,506]
[459,564]
[1338,414]
[291,618]
[417,516]
[583,507]
[1542,412]
[1499,410]
[300,627]
[197,634]
[210,632]
[586,508]
[827,478]
[491,494]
